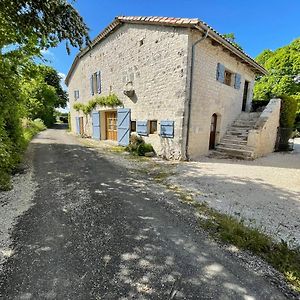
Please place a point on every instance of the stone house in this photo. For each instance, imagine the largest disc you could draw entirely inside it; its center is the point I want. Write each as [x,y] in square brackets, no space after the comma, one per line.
[181,84]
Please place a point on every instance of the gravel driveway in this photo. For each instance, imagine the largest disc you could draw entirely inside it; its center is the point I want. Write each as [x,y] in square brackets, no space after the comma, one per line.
[94,229]
[264,192]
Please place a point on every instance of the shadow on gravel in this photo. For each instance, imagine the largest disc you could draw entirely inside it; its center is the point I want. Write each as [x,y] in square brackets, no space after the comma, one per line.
[96,231]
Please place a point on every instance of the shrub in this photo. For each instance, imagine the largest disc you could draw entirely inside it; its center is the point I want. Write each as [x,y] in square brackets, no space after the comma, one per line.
[138,146]
[31,128]
[288,111]
[144,148]
[135,141]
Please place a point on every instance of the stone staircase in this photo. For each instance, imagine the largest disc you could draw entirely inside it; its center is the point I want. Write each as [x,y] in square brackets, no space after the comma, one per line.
[234,142]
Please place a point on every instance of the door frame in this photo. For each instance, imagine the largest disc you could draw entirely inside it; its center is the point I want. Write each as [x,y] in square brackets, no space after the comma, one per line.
[245,95]
[106,125]
[213,134]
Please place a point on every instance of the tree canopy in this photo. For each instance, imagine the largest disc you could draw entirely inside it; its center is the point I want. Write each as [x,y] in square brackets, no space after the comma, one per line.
[231,38]
[41,23]
[29,90]
[283,66]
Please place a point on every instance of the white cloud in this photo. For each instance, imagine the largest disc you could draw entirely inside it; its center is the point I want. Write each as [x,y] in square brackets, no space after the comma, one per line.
[62,80]
[47,52]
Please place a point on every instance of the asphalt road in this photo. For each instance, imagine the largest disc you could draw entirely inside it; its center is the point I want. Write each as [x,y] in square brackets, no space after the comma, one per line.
[98,231]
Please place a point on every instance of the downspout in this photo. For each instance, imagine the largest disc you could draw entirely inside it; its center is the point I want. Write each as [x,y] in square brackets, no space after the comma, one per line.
[191,91]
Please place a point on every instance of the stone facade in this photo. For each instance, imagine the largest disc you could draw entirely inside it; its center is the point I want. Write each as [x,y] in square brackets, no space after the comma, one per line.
[209,96]
[156,60]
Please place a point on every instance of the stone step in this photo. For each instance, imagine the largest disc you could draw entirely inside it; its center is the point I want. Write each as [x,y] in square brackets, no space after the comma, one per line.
[229,145]
[248,116]
[234,140]
[238,121]
[244,126]
[239,153]
[238,133]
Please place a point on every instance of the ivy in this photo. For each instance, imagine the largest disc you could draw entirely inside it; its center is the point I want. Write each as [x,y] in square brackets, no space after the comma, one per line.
[110,100]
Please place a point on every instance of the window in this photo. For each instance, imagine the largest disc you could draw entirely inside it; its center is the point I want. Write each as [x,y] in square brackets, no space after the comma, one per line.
[76,94]
[153,126]
[96,83]
[227,77]
[133,126]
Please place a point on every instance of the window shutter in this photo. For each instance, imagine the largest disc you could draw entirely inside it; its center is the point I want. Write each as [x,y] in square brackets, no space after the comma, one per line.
[75,95]
[237,81]
[220,73]
[142,127]
[99,82]
[167,129]
[92,86]
[124,126]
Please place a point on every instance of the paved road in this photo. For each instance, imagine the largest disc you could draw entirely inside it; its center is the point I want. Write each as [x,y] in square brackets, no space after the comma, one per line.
[97,231]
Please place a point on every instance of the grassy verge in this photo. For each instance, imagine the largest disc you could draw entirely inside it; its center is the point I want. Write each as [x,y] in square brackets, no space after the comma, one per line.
[31,128]
[10,156]
[232,231]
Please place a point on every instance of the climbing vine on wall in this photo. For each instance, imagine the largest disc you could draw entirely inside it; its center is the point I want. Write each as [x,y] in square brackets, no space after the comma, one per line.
[111,100]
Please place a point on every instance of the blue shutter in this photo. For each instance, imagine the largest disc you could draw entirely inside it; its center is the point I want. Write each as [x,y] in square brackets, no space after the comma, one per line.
[220,73]
[167,129]
[142,127]
[77,125]
[92,86]
[237,81]
[99,82]
[96,125]
[123,126]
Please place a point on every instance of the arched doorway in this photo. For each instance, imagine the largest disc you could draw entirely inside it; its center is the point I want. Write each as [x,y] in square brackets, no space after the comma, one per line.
[213,130]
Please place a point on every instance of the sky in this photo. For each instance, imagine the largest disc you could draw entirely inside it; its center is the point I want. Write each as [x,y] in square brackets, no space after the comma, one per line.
[257,25]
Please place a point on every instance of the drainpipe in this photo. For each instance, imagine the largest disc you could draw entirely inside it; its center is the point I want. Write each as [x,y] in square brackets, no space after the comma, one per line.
[191,91]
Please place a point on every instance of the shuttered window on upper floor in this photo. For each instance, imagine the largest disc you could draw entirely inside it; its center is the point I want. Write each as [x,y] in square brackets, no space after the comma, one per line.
[227,77]
[76,94]
[95,83]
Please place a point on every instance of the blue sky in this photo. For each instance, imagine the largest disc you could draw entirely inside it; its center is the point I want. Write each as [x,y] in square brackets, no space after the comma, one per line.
[257,24]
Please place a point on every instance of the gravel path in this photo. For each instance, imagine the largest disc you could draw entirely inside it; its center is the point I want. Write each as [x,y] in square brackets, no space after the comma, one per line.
[13,204]
[93,228]
[265,192]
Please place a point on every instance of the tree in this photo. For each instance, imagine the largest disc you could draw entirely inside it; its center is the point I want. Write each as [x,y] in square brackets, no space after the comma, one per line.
[283,66]
[26,28]
[231,38]
[31,24]
[42,93]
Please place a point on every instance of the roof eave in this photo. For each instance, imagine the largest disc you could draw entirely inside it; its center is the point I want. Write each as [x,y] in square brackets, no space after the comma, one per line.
[218,38]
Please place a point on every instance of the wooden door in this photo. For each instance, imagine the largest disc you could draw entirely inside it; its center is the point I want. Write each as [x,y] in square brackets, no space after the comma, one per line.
[81,129]
[213,129]
[111,125]
[245,96]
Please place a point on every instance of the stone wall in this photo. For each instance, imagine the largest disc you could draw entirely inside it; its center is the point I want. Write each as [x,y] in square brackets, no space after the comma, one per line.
[154,58]
[263,137]
[210,96]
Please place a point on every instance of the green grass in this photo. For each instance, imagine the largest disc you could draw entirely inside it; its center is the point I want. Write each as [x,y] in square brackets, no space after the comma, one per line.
[11,159]
[235,232]
[32,128]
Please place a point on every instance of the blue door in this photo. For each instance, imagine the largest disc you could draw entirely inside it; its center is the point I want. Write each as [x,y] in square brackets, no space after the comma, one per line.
[123,126]
[77,125]
[96,125]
